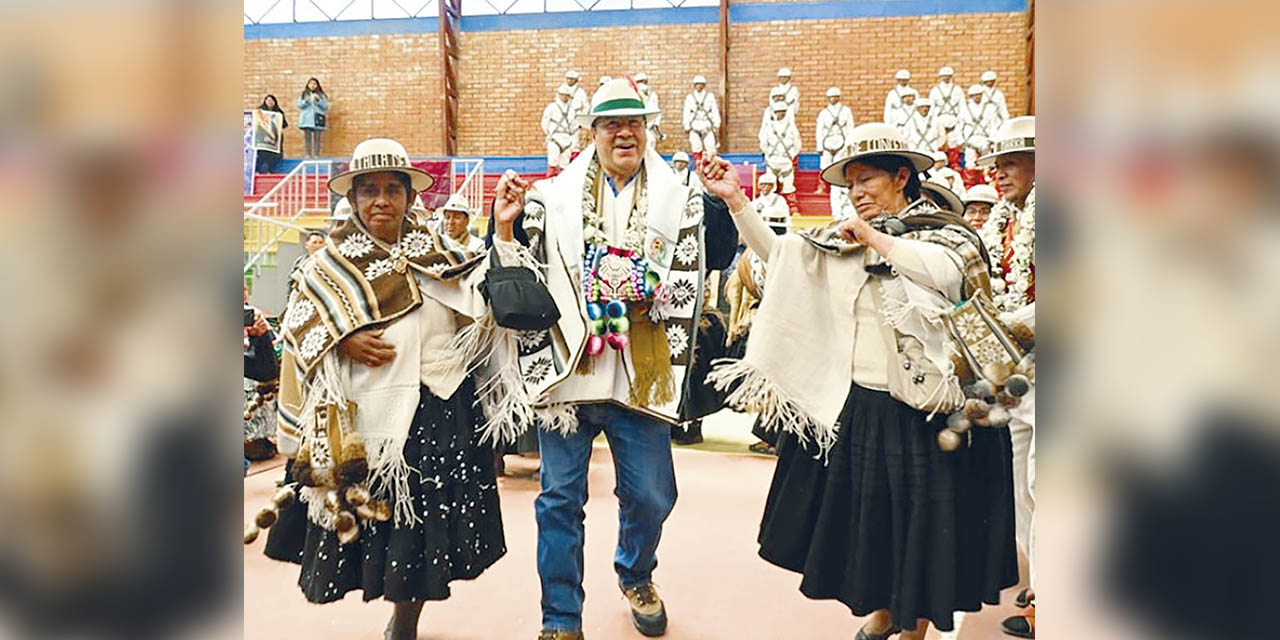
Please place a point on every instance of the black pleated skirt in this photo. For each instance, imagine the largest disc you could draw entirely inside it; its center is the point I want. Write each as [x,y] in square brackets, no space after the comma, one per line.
[892,522]
[454,493]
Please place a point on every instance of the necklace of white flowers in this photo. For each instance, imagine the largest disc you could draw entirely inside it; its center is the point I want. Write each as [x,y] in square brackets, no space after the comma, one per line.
[1011,288]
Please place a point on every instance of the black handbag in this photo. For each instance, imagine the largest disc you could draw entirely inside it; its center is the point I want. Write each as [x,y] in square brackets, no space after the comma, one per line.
[260,359]
[702,399]
[320,121]
[518,299]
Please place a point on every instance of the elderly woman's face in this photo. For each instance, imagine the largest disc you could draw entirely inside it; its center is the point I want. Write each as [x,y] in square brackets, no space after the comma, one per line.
[976,213]
[875,191]
[620,143]
[381,200]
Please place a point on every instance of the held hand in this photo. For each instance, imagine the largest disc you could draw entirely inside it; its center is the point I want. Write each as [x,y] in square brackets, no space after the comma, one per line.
[508,202]
[721,180]
[856,230]
[259,325]
[368,348]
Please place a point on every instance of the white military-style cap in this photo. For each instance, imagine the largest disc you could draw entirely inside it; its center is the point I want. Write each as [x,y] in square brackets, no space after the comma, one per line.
[780,106]
[924,102]
[938,155]
[902,74]
[784,72]
[776,91]
[833,92]
[642,77]
[564,90]
[988,75]
[680,156]
[909,91]
[975,90]
[767,178]
[698,80]
[948,121]
[572,74]
[946,71]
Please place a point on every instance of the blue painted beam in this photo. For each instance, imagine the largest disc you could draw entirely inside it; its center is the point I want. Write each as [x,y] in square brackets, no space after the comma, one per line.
[738,13]
[538,164]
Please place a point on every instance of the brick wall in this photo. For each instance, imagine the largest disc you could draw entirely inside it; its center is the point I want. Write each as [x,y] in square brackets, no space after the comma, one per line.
[860,56]
[389,84]
[378,85]
[508,78]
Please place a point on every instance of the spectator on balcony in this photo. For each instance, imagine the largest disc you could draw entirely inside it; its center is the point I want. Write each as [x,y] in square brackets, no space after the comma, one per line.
[314,104]
[269,124]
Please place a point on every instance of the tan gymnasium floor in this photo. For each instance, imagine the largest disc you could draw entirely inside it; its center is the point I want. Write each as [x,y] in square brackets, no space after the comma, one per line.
[715,585]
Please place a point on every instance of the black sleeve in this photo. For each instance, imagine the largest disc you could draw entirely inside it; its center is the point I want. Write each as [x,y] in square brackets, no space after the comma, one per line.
[519,232]
[720,232]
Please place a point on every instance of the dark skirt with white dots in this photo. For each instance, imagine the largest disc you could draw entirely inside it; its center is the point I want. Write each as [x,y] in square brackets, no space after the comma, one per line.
[454,493]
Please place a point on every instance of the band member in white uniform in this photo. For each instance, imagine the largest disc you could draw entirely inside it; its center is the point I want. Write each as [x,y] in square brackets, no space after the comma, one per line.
[651,101]
[944,175]
[561,129]
[947,96]
[780,144]
[922,131]
[834,121]
[771,206]
[893,101]
[979,119]
[995,96]
[901,114]
[701,118]
[777,95]
[684,173]
[789,92]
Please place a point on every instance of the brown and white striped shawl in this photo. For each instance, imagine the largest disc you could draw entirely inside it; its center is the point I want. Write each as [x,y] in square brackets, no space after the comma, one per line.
[356,281]
[674,245]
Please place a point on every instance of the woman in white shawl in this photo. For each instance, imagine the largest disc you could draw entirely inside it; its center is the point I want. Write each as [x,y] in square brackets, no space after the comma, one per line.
[391,461]
[847,359]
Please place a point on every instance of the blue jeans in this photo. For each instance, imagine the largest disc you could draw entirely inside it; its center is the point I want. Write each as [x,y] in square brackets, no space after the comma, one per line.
[646,491]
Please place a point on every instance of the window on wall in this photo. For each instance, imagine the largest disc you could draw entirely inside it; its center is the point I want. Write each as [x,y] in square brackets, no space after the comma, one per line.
[277,11]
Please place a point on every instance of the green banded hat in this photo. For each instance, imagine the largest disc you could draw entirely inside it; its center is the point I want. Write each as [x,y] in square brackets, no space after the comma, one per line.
[615,98]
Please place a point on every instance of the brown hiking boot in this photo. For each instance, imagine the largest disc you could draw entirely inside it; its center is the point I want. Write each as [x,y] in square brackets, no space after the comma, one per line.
[560,634]
[647,612]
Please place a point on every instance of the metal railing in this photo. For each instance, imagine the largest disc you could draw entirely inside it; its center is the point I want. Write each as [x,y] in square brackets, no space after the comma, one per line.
[466,176]
[303,191]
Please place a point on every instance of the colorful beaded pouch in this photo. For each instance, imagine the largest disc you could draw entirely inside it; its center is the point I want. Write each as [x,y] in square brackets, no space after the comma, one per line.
[611,278]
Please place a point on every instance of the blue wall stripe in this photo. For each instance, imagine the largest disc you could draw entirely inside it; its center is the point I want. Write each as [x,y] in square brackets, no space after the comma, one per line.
[538,164]
[740,13]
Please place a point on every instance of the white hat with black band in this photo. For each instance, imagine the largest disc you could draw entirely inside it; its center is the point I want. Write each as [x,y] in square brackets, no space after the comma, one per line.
[1016,135]
[380,154]
[874,139]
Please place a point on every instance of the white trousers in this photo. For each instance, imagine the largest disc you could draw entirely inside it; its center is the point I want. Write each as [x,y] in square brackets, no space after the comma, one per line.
[1022,432]
[557,157]
[702,142]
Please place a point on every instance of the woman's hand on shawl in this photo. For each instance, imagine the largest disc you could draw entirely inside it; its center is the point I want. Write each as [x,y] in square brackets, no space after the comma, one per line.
[859,231]
[368,348]
[508,202]
[721,181]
